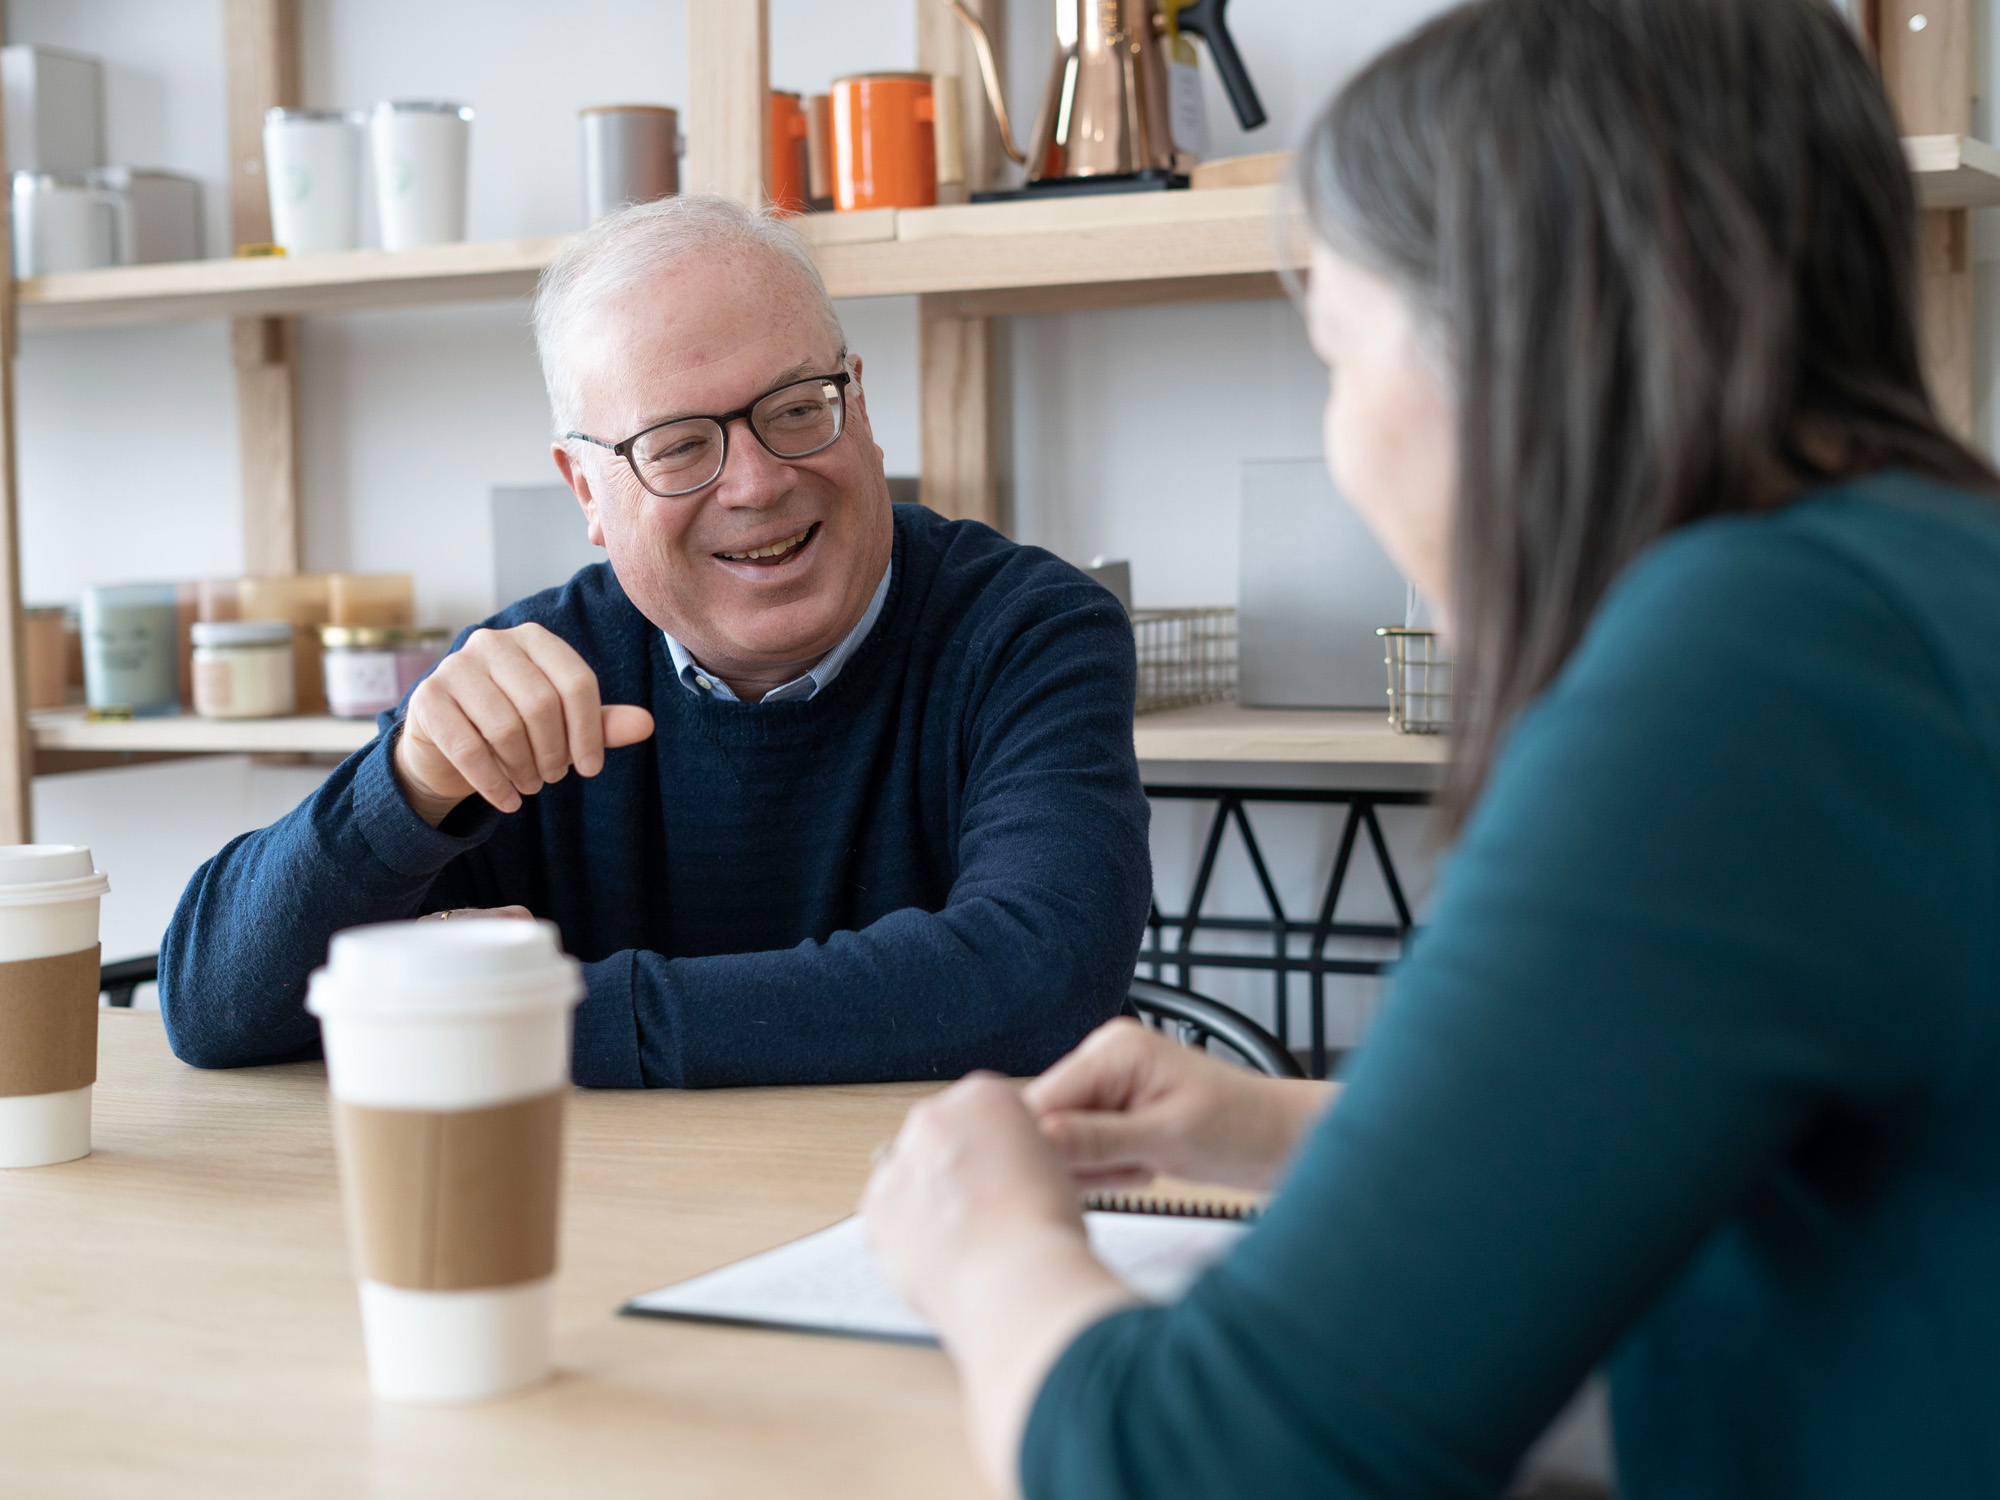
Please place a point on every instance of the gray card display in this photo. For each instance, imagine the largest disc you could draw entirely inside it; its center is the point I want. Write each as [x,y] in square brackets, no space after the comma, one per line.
[538,540]
[54,109]
[1315,585]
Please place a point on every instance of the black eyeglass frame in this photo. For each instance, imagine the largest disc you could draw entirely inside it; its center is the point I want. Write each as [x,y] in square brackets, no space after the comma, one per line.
[840,378]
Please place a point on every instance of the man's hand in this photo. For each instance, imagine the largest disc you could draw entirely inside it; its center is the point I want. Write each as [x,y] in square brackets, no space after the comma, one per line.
[506,714]
[1130,1103]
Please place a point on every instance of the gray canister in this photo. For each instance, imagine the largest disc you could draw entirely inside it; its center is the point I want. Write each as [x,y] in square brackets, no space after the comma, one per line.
[131,640]
[630,155]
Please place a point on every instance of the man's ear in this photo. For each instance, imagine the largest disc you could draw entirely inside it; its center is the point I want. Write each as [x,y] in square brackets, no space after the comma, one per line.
[578,479]
[855,393]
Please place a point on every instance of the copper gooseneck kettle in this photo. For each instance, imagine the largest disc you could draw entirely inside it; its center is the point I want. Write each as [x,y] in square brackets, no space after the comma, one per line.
[1105,113]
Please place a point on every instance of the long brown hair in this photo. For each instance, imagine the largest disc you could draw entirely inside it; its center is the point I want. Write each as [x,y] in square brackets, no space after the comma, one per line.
[1669,248]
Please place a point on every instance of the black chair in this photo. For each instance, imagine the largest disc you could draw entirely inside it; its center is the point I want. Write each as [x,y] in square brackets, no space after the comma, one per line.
[1199,1020]
[117,981]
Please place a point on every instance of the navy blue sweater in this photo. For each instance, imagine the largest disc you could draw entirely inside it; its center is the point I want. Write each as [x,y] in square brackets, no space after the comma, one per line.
[937,863]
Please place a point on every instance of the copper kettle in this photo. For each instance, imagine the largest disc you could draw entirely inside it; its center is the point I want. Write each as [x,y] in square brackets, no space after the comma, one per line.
[1105,113]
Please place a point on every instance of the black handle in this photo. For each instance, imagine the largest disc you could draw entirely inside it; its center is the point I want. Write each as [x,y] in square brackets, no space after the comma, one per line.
[1204,19]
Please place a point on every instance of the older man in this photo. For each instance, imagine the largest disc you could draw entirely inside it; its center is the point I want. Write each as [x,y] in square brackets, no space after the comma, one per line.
[855,795]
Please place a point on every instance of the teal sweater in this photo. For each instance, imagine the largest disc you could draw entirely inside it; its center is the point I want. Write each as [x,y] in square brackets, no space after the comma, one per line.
[1695,1074]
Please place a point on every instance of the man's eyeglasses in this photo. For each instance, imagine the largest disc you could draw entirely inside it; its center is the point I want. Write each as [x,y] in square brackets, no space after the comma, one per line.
[794,421]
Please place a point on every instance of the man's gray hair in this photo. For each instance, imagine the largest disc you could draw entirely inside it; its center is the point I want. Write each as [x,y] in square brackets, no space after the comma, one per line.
[624,249]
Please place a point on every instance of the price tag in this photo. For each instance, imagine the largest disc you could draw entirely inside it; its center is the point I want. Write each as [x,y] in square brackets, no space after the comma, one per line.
[1187,111]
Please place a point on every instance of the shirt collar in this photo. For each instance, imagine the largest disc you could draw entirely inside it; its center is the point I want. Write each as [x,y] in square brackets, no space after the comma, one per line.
[703,684]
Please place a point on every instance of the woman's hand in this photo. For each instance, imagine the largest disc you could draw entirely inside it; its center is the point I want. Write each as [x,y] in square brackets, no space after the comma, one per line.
[977,1225]
[1130,1104]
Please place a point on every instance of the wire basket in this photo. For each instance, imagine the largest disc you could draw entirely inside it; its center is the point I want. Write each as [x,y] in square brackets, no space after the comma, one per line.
[1186,656]
[1419,681]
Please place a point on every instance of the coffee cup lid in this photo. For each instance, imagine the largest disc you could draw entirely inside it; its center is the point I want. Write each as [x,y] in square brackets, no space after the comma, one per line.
[426,968]
[35,874]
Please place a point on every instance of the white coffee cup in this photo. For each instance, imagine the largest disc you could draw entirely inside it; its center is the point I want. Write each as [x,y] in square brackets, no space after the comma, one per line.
[419,153]
[48,1001]
[312,162]
[447,1041]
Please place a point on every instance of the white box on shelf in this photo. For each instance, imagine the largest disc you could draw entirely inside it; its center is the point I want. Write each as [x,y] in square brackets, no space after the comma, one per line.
[54,109]
[162,214]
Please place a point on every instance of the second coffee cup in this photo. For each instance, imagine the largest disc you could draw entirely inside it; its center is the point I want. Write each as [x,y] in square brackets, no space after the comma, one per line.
[48,1001]
[447,1050]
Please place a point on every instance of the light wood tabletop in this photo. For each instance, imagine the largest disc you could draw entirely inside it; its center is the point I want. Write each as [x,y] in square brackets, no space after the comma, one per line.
[177,1318]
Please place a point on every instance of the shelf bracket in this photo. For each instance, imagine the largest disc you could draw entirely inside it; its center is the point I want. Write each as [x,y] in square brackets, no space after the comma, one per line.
[729,101]
[261,46]
[17,754]
[962,400]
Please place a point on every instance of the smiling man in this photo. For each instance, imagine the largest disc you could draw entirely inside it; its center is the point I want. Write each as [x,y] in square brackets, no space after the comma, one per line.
[820,789]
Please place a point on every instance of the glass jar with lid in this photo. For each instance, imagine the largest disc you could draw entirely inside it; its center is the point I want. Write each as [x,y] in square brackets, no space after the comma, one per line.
[368,669]
[243,669]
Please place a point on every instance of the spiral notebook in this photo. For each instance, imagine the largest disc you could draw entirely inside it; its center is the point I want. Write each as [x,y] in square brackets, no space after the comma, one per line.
[829,1282]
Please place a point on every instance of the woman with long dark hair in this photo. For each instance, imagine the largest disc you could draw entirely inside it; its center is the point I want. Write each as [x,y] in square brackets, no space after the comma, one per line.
[1694,1073]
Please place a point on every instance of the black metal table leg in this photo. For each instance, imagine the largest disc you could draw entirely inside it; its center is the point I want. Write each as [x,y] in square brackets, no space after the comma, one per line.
[1231,807]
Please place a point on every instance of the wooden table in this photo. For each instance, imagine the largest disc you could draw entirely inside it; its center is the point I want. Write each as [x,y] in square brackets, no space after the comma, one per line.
[1278,736]
[177,1319]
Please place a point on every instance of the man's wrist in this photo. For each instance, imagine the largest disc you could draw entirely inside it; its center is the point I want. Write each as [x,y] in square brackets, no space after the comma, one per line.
[426,804]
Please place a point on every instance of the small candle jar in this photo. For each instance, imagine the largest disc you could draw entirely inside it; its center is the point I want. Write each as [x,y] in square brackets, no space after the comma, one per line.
[368,670]
[243,669]
[129,643]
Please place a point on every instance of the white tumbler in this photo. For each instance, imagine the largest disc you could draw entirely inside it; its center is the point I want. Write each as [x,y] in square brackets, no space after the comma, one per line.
[48,1001]
[420,166]
[447,1052]
[312,161]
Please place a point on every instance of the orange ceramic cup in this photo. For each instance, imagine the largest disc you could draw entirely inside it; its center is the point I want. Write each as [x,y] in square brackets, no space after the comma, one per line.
[884,148]
[788,158]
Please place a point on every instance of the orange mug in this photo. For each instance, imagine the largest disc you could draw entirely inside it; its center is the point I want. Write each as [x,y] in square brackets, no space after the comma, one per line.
[884,143]
[788,163]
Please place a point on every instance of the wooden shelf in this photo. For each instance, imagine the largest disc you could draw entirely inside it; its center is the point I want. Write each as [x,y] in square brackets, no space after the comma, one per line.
[1954,171]
[180,291]
[1213,732]
[185,734]
[1230,732]
[1149,246]
[984,259]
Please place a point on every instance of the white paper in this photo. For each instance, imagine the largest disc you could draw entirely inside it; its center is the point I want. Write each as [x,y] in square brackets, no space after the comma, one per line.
[829,1282]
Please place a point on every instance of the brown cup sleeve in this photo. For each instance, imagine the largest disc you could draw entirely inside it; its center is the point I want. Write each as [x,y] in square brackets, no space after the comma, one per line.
[48,1023]
[452,1200]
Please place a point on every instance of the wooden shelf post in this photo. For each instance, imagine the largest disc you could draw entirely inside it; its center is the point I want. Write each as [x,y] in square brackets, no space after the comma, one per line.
[17,755]
[1925,47]
[729,100]
[963,423]
[262,53]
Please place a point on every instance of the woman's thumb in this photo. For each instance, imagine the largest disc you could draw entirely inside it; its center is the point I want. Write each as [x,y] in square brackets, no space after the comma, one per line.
[625,724]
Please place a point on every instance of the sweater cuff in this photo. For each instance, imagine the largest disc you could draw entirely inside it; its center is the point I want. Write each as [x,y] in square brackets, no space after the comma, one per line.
[605,1052]
[394,833]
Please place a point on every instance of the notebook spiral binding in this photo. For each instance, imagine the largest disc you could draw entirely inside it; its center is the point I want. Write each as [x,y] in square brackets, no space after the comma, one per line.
[1133,1203]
